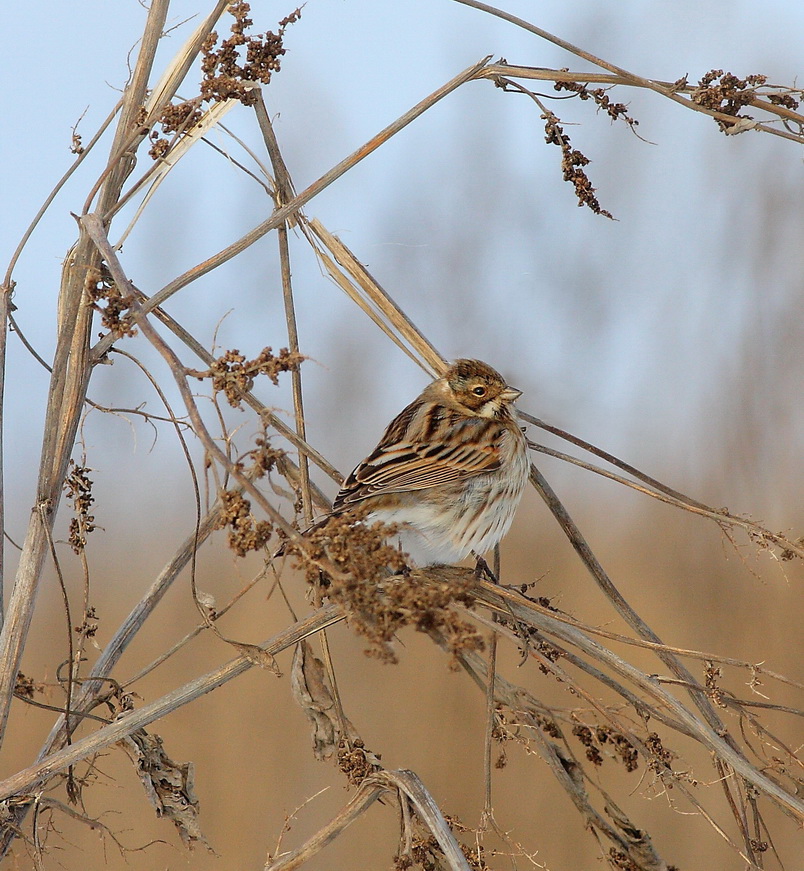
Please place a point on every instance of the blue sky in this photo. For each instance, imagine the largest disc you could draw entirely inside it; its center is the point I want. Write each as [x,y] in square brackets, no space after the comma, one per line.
[640,334]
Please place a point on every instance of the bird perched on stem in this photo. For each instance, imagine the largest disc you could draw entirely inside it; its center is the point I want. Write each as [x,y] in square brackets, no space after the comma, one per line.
[450,469]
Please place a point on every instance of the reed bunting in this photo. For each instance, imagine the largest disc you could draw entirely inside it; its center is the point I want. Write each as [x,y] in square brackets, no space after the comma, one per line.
[450,469]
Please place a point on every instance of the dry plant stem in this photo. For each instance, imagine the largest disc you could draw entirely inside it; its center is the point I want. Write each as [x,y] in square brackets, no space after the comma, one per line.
[519,700]
[722,517]
[350,289]
[487,816]
[495,71]
[193,633]
[182,140]
[609,458]
[71,660]
[130,130]
[30,778]
[613,594]
[284,190]
[5,300]
[680,651]
[368,792]
[68,383]
[162,93]
[286,212]
[261,181]
[491,672]
[396,323]
[548,75]
[666,653]
[304,448]
[664,493]
[92,686]
[128,629]
[430,814]
[284,193]
[716,739]
[165,89]
[562,765]
[627,77]
[638,703]
[401,781]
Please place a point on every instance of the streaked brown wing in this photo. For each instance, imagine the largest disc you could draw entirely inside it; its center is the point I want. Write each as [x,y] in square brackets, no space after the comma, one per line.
[427,445]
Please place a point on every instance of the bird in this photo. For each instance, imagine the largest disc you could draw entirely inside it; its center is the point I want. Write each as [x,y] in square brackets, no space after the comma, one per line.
[449,470]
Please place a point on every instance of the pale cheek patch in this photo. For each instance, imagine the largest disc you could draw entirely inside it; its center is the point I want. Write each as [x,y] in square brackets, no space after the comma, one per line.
[491,410]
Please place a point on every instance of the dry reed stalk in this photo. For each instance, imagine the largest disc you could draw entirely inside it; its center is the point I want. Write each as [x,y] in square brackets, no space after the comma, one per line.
[71,370]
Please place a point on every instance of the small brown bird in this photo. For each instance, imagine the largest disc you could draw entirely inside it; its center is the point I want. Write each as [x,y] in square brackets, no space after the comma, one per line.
[450,469]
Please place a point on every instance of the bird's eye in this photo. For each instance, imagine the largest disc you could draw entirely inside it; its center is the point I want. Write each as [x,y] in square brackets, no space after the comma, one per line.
[479,390]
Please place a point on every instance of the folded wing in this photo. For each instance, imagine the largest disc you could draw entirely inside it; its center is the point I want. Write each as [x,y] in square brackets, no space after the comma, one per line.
[425,448]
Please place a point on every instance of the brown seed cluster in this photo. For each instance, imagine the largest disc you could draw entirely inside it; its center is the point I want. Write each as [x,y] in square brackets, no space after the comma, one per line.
[615,111]
[234,375]
[356,762]
[226,77]
[99,285]
[726,93]
[264,457]
[425,852]
[26,687]
[572,163]
[89,627]
[624,750]
[785,99]
[175,118]
[661,756]
[618,859]
[712,674]
[379,602]
[245,532]
[78,487]
[594,739]
[229,70]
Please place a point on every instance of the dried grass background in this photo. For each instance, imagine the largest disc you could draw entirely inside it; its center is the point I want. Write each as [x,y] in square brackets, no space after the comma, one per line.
[671,337]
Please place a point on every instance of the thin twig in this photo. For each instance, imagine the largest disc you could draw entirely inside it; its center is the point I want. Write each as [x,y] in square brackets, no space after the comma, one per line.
[657,490]
[7,281]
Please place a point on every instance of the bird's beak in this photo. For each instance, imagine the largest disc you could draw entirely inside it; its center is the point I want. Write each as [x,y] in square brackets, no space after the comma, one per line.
[511,394]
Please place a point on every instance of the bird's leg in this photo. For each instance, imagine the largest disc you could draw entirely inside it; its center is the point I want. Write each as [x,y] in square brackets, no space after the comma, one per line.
[405,571]
[482,570]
